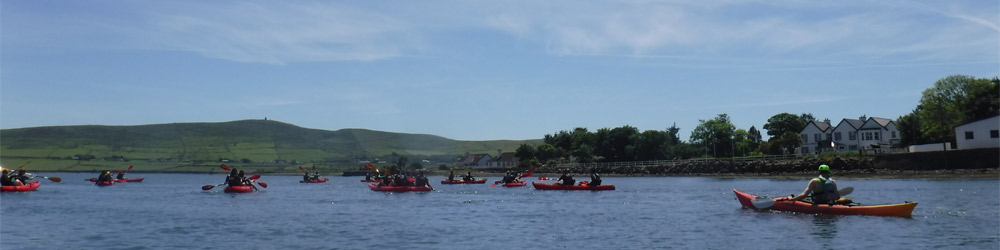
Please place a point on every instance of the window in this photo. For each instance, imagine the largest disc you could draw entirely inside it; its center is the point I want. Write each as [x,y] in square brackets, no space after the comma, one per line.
[994,134]
[877,136]
[852,135]
[836,136]
[852,147]
[817,137]
[805,138]
[867,136]
[968,135]
[893,134]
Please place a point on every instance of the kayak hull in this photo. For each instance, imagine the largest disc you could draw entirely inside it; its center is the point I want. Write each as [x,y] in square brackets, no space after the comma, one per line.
[238,189]
[315,181]
[479,181]
[543,186]
[22,188]
[902,209]
[104,183]
[516,184]
[375,187]
[131,179]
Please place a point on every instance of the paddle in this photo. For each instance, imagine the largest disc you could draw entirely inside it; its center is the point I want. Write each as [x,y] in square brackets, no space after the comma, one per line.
[51,178]
[765,203]
[223,166]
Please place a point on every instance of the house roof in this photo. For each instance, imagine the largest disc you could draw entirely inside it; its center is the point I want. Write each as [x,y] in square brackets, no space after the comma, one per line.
[505,157]
[855,123]
[987,118]
[822,126]
[881,121]
[472,158]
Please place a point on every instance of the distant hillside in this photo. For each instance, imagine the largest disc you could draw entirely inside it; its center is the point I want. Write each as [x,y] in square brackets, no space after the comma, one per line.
[246,141]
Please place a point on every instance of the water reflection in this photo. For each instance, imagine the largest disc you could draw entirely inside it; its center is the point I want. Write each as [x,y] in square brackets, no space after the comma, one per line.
[824,226]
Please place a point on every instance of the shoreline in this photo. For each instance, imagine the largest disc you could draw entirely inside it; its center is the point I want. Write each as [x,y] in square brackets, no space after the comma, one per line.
[991,173]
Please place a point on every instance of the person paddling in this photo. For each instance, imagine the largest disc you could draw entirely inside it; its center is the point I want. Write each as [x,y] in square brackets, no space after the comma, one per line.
[451,175]
[105,177]
[233,178]
[306,177]
[595,178]
[468,177]
[5,180]
[566,179]
[121,175]
[821,190]
[22,176]
[422,180]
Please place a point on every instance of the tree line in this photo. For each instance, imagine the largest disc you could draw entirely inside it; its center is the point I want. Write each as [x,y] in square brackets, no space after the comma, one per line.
[952,101]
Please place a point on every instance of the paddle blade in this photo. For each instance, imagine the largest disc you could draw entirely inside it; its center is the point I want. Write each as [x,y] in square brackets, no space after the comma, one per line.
[223,166]
[300,168]
[762,203]
[532,168]
[845,191]
[526,175]
[54,179]
[254,177]
[129,167]
[207,187]
[262,184]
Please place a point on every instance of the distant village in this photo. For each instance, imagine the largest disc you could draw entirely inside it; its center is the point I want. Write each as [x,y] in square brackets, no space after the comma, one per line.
[872,135]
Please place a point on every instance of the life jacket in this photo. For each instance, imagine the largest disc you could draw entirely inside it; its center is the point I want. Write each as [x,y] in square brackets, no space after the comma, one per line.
[826,192]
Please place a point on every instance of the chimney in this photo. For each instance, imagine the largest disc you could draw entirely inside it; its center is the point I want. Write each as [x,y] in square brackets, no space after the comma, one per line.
[827,120]
[498,153]
[863,117]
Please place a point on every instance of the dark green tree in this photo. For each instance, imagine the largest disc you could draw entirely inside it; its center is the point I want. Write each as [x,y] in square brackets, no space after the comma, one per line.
[784,122]
[955,100]
[716,135]
[525,152]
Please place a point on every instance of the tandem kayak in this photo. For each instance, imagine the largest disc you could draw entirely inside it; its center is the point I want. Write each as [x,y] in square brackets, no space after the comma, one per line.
[543,186]
[376,187]
[22,188]
[104,183]
[315,181]
[479,181]
[238,189]
[904,209]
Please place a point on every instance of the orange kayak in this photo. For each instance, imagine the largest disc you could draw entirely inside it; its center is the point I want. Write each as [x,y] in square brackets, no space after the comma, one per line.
[479,181]
[903,209]
[22,188]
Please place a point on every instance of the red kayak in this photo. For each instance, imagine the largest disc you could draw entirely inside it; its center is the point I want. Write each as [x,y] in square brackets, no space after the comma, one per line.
[238,189]
[22,188]
[104,183]
[131,179]
[516,184]
[903,209]
[480,181]
[581,186]
[376,187]
[315,181]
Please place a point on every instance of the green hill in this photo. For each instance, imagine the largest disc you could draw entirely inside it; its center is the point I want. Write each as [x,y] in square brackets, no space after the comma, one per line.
[191,147]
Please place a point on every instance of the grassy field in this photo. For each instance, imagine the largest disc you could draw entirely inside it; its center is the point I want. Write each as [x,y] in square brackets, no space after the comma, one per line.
[260,145]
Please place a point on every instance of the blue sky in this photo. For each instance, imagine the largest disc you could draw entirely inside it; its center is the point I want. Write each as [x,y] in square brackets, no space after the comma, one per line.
[481,70]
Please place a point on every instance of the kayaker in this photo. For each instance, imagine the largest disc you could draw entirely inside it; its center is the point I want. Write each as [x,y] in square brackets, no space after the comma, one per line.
[121,175]
[508,178]
[315,176]
[231,178]
[368,176]
[468,176]
[306,177]
[451,175]
[105,176]
[22,176]
[422,181]
[566,179]
[595,178]
[822,189]
[5,180]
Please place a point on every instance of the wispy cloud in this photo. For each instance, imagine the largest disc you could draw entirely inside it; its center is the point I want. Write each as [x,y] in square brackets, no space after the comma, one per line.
[282,33]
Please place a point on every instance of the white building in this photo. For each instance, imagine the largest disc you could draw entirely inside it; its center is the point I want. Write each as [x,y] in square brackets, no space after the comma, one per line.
[850,135]
[815,137]
[978,134]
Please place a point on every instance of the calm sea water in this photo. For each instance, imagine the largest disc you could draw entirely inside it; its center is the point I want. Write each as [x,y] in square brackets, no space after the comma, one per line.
[170,211]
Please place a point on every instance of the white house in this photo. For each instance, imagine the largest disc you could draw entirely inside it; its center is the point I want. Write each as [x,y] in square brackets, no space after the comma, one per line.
[849,135]
[845,135]
[878,134]
[815,137]
[978,134]
[474,160]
